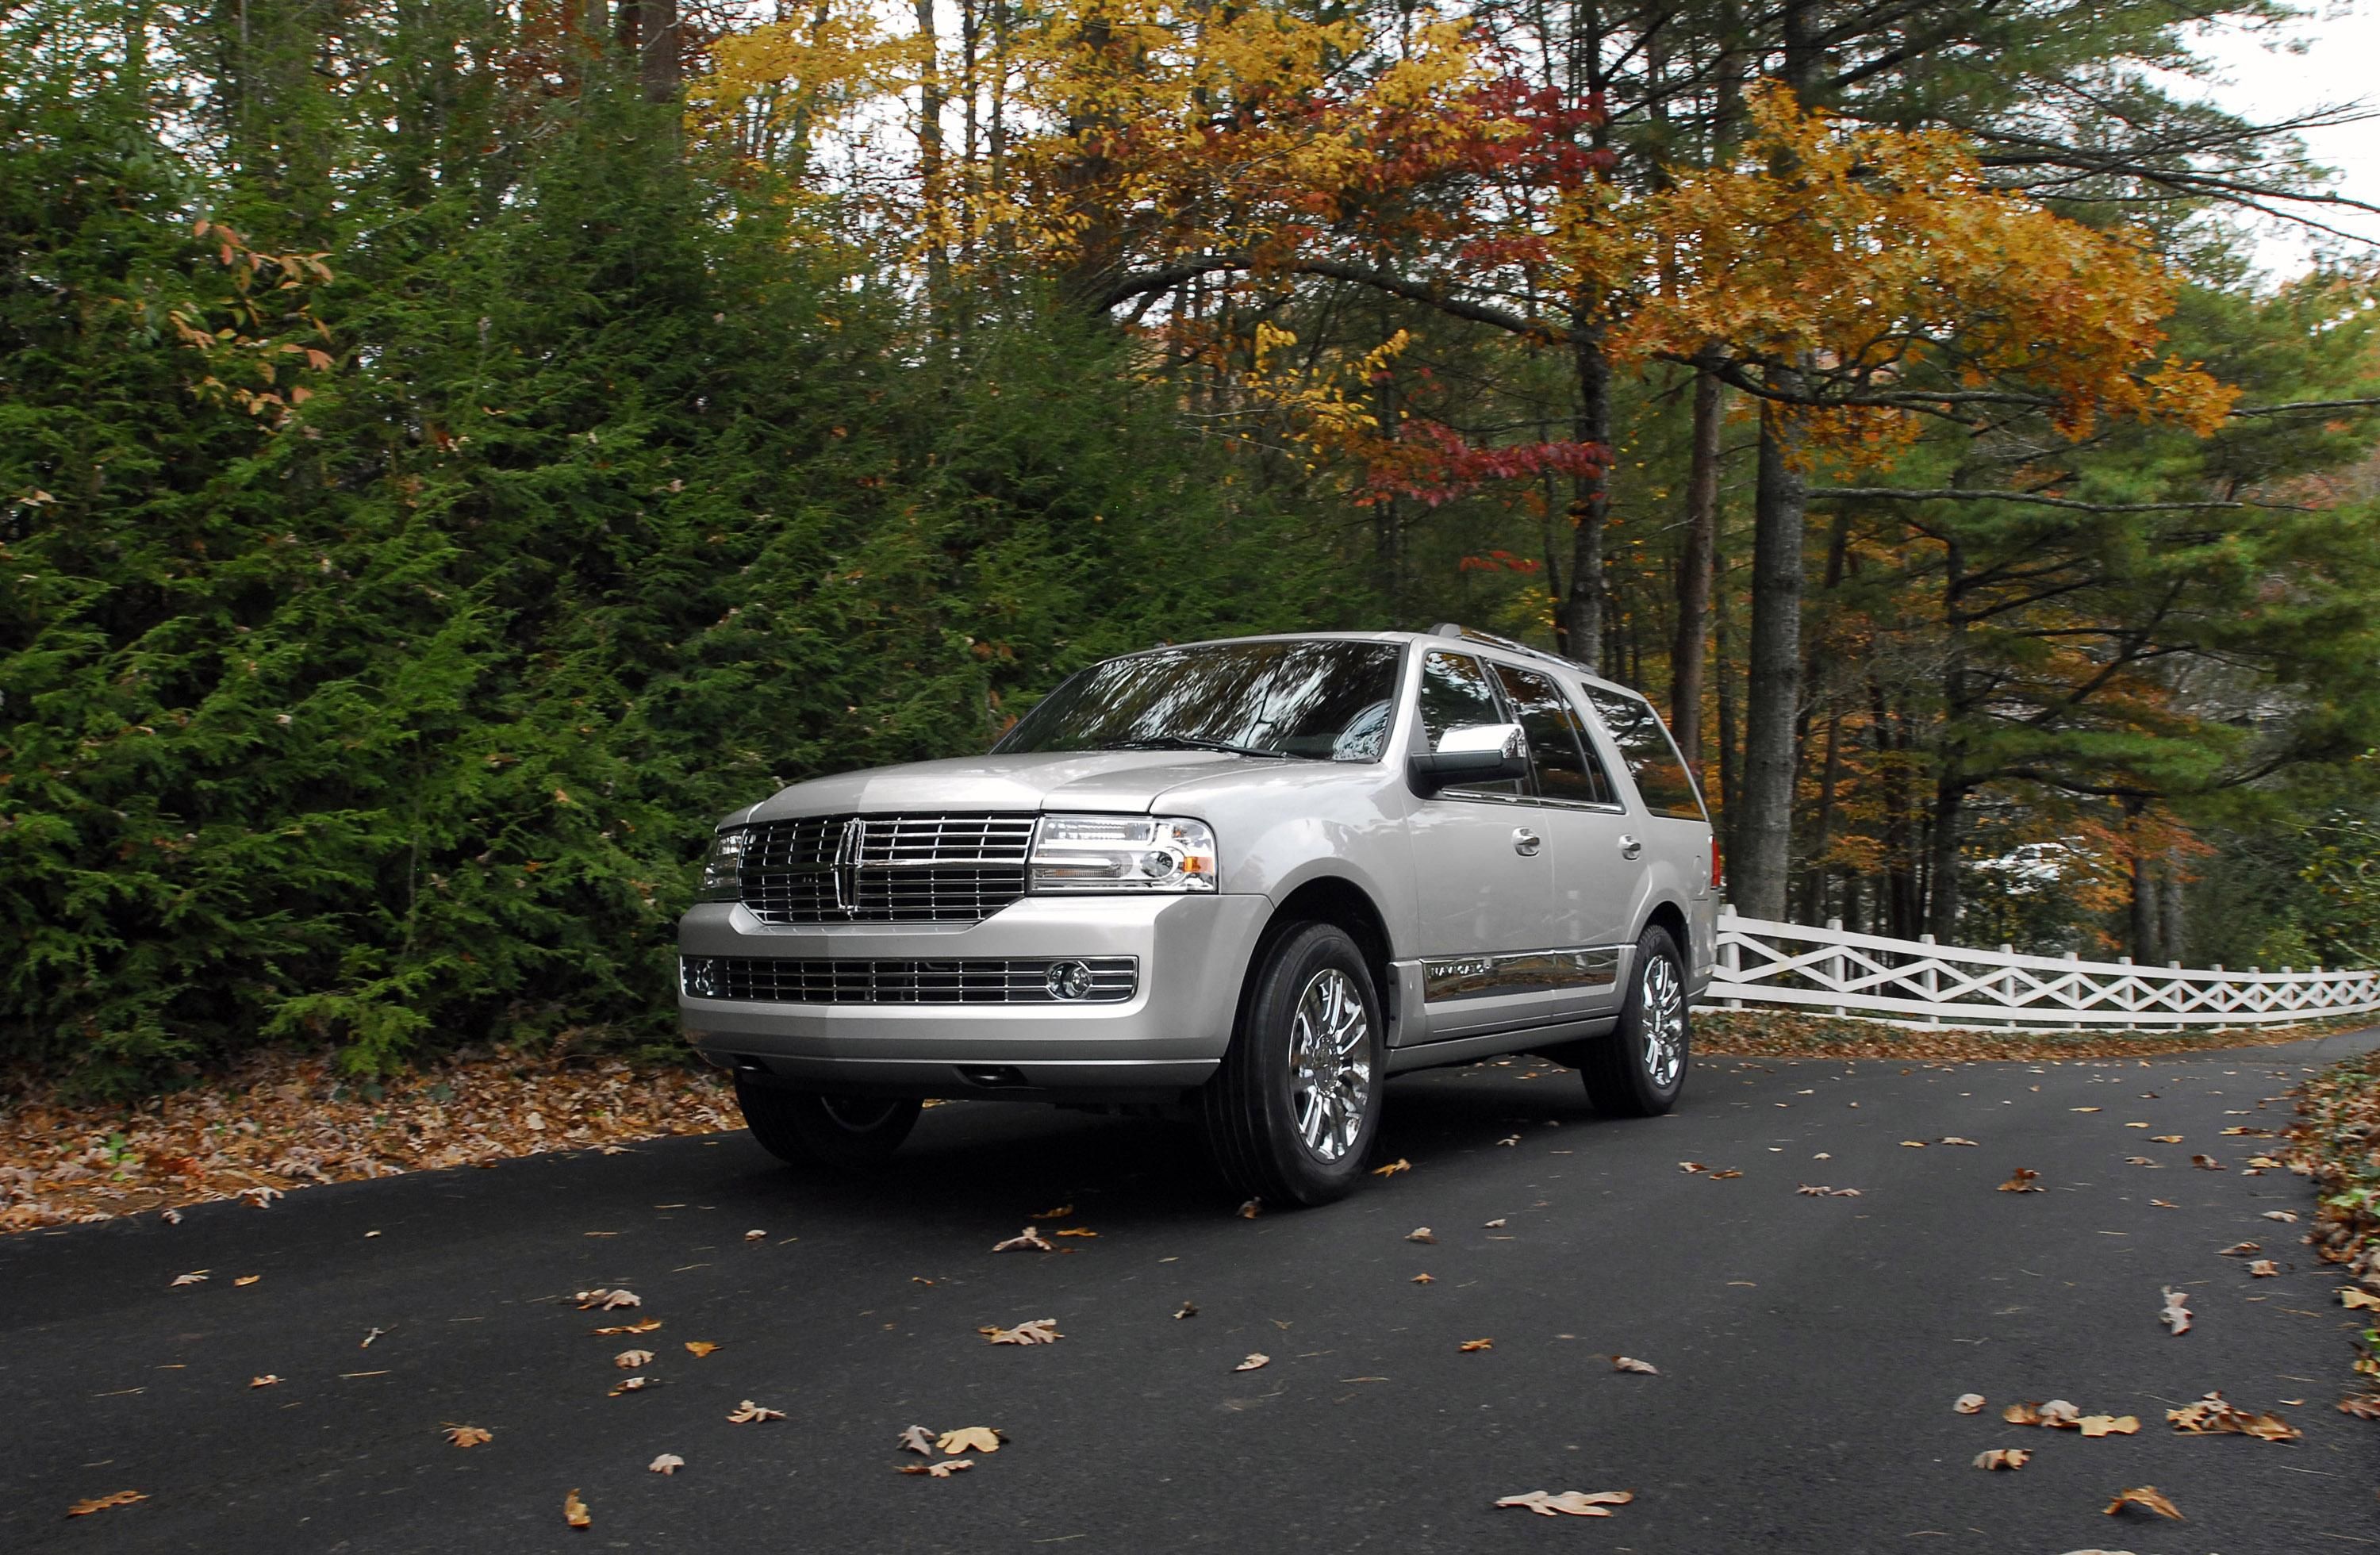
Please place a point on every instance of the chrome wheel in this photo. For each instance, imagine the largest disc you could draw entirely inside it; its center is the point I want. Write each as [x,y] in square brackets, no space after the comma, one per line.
[1664,1004]
[1329,1064]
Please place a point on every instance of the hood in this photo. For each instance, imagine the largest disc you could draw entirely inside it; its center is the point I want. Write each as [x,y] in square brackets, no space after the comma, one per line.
[1070,780]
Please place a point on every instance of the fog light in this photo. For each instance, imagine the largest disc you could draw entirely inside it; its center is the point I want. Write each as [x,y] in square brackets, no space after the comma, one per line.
[1068,979]
[699,976]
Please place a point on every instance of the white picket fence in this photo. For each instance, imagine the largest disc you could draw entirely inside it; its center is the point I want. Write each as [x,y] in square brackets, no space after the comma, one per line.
[1830,971]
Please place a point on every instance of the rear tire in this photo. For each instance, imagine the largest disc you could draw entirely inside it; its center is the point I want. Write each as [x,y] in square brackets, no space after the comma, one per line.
[803,1128]
[1639,1070]
[1294,1109]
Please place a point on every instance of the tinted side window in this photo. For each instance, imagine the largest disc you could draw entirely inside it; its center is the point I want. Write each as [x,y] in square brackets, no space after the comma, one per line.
[1455,695]
[1565,762]
[1651,757]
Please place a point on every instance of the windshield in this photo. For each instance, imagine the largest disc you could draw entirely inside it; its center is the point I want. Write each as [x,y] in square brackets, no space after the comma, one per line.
[1322,701]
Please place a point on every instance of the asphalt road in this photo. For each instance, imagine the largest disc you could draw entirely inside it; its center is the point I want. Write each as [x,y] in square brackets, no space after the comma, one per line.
[1809,1348]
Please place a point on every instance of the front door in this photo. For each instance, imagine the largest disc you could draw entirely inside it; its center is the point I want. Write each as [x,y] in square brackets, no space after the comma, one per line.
[1483,874]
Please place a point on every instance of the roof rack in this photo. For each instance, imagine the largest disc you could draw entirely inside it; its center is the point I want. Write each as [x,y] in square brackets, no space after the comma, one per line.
[1472,634]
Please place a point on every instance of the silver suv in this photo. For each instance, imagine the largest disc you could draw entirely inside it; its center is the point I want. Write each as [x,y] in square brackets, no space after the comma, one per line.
[1254,876]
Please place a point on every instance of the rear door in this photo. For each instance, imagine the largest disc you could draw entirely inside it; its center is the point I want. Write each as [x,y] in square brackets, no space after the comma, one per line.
[1484,881]
[1594,883]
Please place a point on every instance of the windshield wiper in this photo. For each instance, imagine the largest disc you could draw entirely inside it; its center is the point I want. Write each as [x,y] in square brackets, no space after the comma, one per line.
[1191,742]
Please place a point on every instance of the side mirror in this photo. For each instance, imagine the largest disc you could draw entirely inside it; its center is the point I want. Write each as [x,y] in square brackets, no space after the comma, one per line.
[1480,753]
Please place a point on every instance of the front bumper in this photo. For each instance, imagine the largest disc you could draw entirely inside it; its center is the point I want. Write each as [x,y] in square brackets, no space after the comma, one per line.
[1166,1039]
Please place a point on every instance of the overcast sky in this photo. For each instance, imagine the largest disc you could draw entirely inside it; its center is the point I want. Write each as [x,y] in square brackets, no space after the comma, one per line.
[2341,66]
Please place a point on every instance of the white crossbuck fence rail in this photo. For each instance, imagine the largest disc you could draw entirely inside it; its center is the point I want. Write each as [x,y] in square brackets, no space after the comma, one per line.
[1830,971]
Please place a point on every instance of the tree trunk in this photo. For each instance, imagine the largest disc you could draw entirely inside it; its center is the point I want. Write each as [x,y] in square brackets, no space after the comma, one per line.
[657,49]
[2144,911]
[2172,925]
[1730,769]
[930,102]
[1764,833]
[1694,568]
[1590,503]
[1942,841]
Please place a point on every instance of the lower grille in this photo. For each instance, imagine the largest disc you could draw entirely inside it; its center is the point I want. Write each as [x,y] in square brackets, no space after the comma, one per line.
[1110,979]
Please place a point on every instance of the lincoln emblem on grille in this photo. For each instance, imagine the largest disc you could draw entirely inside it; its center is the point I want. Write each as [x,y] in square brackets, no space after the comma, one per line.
[846,864]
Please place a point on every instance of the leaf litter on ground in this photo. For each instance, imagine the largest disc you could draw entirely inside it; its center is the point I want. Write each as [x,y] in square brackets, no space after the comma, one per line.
[1575,1503]
[1039,1331]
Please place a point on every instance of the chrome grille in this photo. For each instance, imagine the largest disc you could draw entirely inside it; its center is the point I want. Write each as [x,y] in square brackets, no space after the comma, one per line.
[885,868]
[1114,979]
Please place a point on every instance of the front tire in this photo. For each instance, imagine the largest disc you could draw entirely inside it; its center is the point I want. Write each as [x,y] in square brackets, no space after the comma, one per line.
[1294,1109]
[1639,1070]
[802,1128]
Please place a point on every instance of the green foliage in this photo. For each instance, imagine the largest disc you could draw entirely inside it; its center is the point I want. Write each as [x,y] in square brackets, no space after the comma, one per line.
[391,710]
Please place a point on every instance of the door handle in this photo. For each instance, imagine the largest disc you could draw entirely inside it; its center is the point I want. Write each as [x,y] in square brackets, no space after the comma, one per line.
[1525,842]
[1630,847]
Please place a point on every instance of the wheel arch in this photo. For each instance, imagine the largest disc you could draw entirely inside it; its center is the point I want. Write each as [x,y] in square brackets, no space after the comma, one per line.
[1338,901]
[1669,914]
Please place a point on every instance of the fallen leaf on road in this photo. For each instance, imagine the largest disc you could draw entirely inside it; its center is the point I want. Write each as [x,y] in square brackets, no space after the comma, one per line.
[2163,1204]
[1630,1363]
[1495,1224]
[174,1218]
[196,1277]
[267,1381]
[2138,1160]
[1029,1237]
[667,1463]
[970,1439]
[918,1439]
[1968,1403]
[756,1236]
[632,1385]
[642,1325]
[1187,1309]
[1470,1344]
[2263,1269]
[1076,1231]
[938,1470]
[2242,1250]
[2351,1298]
[2206,1163]
[2263,1164]
[1256,1360]
[375,1333]
[1952,1139]
[1577,1503]
[2002,1458]
[2136,1126]
[574,1513]
[101,1503]
[2363,1406]
[1692,1166]
[746,1413]
[2020,1180]
[1063,1211]
[698,1348]
[2057,1414]
[1421,1233]
[1912,1144]
[247,1279]
[2242,1128]
[1040,1331]
[1510,1139]
[2216,1415]
[607,1301]
[1723,1176]
[1251,1208]
[1400,1164]
[2087,1109]
[2165,1139]
[2108,1424]
[629,1360]
[467,1436]
[1816,1191]
[1422,1279]
[2176,1315]
[2145,1496]
[2287,1217]
[1844,1192]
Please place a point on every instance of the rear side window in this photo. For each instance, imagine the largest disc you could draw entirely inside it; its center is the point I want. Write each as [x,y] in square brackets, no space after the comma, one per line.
[1566,762]
[1650,755]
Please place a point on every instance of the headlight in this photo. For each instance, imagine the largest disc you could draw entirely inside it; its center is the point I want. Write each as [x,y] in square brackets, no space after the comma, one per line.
[719,867]
[1123,853]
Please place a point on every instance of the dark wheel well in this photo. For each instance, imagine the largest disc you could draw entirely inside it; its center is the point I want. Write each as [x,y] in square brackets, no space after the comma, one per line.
[1344,904]
[1667,916]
